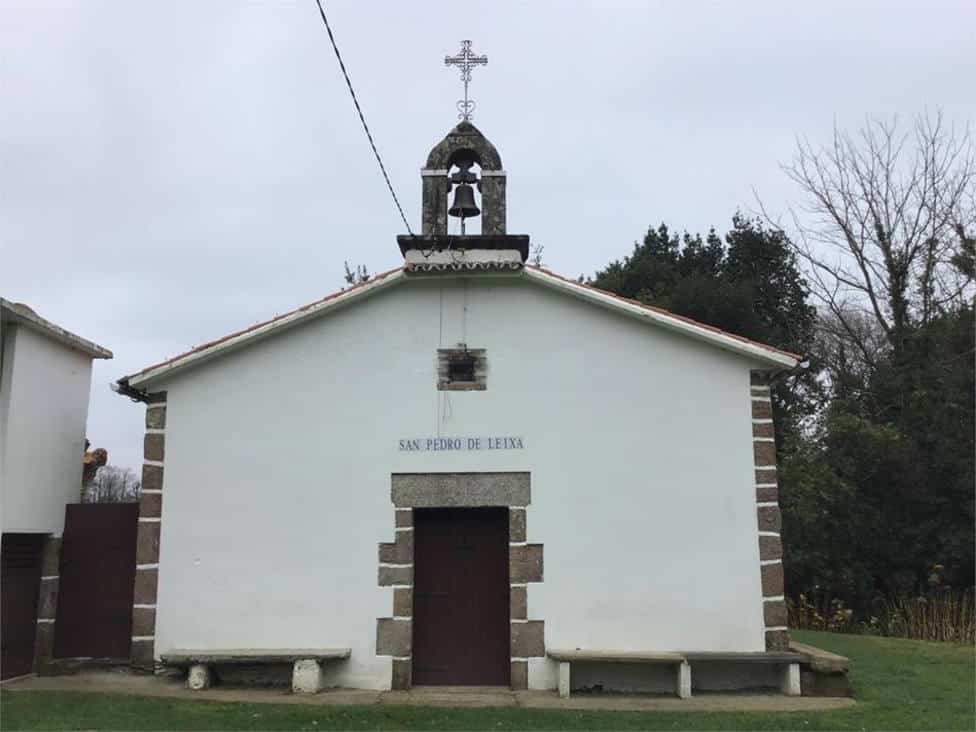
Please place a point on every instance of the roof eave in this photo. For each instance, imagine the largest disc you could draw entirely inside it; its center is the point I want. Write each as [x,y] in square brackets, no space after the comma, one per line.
[13,314]
[768,355]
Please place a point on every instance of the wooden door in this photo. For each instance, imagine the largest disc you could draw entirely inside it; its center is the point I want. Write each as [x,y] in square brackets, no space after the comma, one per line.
[20,582]
[461,606]
[98,572]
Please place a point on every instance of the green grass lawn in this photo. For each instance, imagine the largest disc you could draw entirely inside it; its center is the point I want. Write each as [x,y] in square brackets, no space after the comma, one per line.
[899,684]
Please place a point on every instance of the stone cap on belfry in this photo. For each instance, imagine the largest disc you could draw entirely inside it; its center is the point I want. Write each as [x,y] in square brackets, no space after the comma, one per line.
[468,138]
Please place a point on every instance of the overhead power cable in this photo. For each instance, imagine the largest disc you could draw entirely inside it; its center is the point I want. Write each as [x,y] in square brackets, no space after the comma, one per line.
[362,118]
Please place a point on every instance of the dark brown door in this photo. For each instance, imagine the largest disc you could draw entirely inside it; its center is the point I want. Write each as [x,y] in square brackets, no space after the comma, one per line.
[98,571]
[20,582]
[461,610]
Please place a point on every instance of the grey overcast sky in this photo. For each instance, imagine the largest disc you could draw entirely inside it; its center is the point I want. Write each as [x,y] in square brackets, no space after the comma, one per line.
[170,172]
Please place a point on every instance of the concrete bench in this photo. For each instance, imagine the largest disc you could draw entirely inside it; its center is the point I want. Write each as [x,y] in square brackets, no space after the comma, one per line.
[682,679]
[822,673]
[789,663]
[306,670]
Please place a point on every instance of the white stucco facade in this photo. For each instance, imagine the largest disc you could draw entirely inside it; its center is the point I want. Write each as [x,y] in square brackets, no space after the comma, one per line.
[44,393]
[279,455]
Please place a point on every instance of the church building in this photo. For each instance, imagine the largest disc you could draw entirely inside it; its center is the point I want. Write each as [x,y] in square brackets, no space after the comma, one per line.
[467,470]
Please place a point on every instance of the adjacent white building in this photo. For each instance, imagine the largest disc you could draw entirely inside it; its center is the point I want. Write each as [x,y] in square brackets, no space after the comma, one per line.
[458,470]
[45,380]
[45,384]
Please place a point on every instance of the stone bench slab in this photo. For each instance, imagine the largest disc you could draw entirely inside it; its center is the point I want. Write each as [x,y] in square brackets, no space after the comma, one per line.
[776,657]
[578,656]
[820,660]
[253,655]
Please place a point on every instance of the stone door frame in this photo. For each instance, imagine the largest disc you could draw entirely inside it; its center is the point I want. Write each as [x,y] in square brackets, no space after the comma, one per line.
[511,490]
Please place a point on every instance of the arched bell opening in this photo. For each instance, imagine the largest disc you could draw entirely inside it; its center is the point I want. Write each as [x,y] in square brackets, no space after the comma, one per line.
[465,202]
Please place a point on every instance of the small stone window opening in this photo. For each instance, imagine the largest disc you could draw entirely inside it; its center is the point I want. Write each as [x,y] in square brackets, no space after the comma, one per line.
[461,369]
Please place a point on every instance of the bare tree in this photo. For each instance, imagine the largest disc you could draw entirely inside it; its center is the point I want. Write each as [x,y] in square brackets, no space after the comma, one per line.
[885,225]
[113,484]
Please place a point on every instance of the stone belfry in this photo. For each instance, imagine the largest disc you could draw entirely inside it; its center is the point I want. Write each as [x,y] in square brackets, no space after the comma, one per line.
[448,172]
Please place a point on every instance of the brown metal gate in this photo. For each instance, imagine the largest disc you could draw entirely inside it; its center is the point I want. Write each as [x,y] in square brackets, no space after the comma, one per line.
[98,571]
[20,582]
[461,606]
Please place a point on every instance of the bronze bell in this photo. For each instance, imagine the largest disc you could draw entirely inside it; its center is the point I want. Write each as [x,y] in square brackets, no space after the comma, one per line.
[464,206]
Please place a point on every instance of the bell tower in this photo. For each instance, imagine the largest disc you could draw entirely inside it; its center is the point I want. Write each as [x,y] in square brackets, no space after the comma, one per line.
[463,147]
[448,172]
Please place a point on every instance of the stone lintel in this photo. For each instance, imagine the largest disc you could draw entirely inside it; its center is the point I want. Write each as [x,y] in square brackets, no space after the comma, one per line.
[445,490]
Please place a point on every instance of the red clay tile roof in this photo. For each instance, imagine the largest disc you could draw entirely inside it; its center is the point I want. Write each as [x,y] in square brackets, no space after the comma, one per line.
[668,314]
[229,336]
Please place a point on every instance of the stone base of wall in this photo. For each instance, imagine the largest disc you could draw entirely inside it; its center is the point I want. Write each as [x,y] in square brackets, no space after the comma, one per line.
[47,607]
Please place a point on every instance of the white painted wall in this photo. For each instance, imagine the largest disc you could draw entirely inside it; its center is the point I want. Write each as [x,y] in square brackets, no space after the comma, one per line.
[44,392]
[278,463]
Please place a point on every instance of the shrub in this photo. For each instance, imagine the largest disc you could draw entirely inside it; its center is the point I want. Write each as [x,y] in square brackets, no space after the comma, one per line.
[941,615]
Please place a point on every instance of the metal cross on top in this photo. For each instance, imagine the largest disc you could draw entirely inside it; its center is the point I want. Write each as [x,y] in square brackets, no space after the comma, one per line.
[465,60]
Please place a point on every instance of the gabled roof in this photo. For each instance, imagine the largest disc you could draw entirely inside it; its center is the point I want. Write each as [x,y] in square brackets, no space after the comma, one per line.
[772,357]
[20,314]
[667,319]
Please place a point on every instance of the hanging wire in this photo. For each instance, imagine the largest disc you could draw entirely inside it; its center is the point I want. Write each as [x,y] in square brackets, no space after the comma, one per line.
[362,118]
